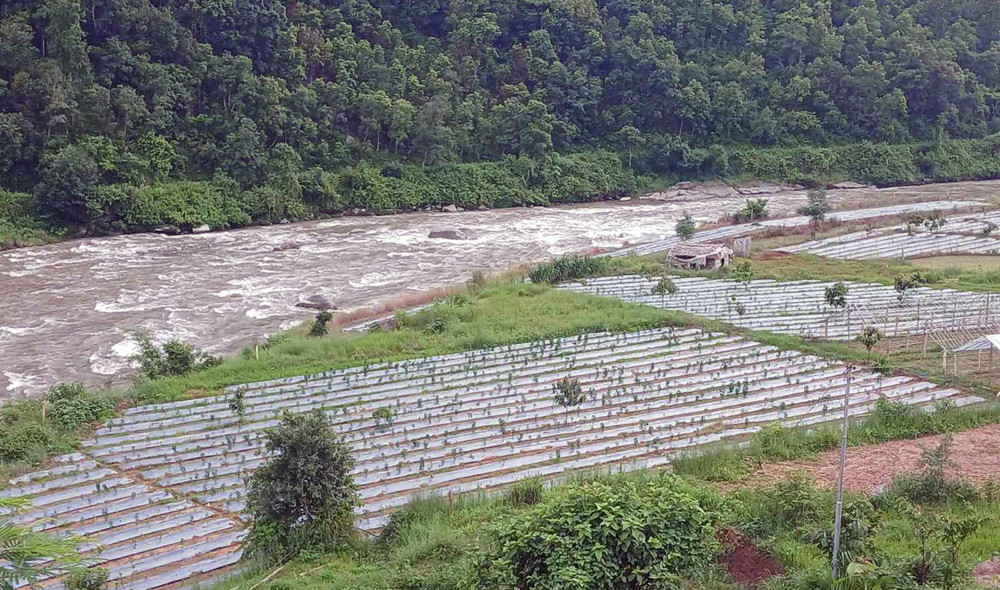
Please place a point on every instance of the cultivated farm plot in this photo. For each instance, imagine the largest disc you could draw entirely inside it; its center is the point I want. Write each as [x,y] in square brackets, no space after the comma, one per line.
[721,234]
[799,307]
[163,485]
[963,234]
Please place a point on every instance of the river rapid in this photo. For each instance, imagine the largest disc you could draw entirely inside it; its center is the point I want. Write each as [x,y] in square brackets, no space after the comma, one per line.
[66,310]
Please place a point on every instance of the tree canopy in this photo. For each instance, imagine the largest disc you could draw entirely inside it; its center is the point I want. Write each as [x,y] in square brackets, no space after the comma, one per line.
[103,101]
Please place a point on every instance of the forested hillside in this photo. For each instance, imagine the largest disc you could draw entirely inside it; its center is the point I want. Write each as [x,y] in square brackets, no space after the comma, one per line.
[135,113]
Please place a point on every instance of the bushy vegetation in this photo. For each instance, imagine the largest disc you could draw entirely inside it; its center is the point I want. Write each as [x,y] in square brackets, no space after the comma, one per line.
[754,210]
[836,294]
[244,113]
[654,530]
[173,359]
[303,497]
[932,483]
[32,429]
[319,327]
[568,268]
[685,227]
[665,286]
[817,207]
[568,392]
[18,223]
[94,578]
[603,535]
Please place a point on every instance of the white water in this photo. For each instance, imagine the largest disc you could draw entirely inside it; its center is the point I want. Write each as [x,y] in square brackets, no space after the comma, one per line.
[66,310]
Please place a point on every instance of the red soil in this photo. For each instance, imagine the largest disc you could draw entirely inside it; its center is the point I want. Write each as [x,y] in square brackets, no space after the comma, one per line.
[746,564]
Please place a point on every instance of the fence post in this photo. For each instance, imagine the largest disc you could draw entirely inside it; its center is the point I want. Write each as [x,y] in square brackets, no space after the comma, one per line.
[840,482]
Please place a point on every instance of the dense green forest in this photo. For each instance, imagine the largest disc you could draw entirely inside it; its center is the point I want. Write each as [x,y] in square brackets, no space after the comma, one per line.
[135,113]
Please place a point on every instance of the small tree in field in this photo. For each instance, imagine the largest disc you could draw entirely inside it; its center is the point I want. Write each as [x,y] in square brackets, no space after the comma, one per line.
[869,337]
[304,496]
[817,208]
[836,295]
[569,392]
[319,327]
[685,227]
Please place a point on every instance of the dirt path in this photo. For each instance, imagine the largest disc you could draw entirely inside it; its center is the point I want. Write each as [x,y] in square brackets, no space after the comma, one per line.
[977,453]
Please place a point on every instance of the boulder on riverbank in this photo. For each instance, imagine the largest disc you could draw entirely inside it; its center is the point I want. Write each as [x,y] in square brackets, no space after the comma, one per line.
[317,302]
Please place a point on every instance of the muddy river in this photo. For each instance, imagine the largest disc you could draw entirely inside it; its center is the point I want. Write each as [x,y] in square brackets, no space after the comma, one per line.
[66,310]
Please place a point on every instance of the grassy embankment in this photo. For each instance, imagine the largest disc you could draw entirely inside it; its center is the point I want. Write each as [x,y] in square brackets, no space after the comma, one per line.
[495,315]
[499,314]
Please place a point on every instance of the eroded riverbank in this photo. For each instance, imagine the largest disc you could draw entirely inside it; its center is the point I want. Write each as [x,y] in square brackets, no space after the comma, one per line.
[66,309]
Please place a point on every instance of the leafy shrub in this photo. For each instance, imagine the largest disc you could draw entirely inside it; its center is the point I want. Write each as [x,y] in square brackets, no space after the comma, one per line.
[237,404]
[603,534]
[935,221]
[86,579]
[72,406]
[568,268]
[665,287]
[869,338]
[836,294]
[882,366]
[818,206]
[383,417]
[932,483]
[775,442]
[685,227]
[319,327]
[67,390]
[790,504]
[28,443]
[569,392]
[304,496]
[742,272]
[755,209]
[172,359]
[71,413]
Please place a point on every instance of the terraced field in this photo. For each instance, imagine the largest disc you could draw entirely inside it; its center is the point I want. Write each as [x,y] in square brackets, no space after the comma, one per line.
[729,232]
[161,488]
[799,307]
[963,234]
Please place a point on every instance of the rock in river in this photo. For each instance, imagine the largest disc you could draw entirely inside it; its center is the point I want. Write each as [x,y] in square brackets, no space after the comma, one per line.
[287,245]
[448,233]
[317,302]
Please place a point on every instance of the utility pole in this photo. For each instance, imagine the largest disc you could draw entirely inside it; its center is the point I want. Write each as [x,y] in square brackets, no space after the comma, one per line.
[840,481]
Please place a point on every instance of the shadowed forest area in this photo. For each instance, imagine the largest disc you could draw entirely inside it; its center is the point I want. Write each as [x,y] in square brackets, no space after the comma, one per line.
[125,115]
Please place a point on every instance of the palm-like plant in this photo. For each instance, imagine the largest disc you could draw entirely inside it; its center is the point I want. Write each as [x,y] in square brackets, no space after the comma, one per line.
[28,556]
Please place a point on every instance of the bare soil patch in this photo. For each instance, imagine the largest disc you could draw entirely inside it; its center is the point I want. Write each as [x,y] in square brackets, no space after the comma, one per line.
[747,565]
[977,453]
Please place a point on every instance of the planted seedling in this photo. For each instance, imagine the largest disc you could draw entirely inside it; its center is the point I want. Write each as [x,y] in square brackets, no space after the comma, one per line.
[384,418]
